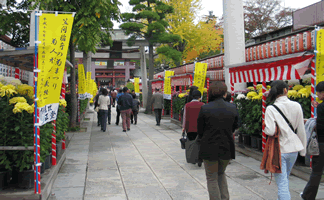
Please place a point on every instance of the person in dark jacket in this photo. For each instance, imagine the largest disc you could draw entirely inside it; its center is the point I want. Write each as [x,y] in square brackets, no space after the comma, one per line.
[109,107]
[311,188]
[120,92]
[157,104]
[216,123]
[95,99]
[125,101]
[135,110]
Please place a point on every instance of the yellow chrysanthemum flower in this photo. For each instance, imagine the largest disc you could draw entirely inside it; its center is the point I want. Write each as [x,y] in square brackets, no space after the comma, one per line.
[7,90]
[304,93]
[19,107]
[298,87]
[268,87]
[292,94]
[260,93]
[259,87]
[250,95]
[205,90]
[17,100]
[62,102]
[182,95]
[251,88]
[31,109]
[258,97]
[1,85]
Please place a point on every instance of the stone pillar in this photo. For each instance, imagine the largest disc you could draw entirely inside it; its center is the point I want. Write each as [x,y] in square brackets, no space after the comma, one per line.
[144,76]
[234,39]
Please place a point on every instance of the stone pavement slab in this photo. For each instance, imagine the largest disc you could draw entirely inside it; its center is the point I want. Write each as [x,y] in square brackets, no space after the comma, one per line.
[148,163]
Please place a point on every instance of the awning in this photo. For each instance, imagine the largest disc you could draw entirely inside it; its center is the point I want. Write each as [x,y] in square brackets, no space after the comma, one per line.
[216,75]
[287,67]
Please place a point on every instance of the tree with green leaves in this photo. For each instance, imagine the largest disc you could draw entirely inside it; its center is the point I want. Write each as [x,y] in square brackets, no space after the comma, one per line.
[92,22]
[148,22]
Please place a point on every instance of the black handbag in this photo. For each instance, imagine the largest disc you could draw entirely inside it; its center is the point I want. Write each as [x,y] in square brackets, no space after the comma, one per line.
[183,140]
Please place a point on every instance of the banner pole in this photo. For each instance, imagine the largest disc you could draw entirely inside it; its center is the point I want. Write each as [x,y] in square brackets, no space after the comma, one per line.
[264,98]
[171,114]
[63,97]
[36,119]
[54,143]
[163,98]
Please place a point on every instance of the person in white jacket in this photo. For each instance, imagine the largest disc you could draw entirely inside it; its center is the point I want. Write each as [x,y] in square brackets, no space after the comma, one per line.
[291,140]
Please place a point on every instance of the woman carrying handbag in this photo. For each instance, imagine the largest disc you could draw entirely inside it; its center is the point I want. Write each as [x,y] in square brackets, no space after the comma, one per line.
[288,116]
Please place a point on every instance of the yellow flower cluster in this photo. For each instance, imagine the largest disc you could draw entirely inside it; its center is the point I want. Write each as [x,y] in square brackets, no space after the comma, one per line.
[258,97]
[7,90]
[17,100]
[292,94]
[298,87]
[304,92]
[182,95]
[251,88]
[19,107]
[91,100]
[268,87]
[259,87]
[62,102]
[250,95]
[26,90]
[205,90]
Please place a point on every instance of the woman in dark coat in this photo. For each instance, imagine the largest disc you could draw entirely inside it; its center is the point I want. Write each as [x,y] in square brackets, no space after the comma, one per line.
[217,121]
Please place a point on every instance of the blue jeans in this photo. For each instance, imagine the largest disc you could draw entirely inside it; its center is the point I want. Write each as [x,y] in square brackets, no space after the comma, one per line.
[287,162]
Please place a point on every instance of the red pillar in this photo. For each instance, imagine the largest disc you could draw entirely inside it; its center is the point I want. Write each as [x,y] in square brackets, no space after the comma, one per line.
[54,143]
[264,138]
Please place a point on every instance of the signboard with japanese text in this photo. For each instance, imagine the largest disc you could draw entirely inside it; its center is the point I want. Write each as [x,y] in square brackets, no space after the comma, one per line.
[101,63]
[320,56]
[54,36]
[82,84]
[167,84]
[136,85]
[200,76]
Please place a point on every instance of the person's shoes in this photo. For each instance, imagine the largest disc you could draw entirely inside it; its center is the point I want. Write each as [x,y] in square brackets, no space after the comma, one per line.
[199,164]
[124,130]
[135,123]
[98,124]
[131,122]
[109,123]
[117,124]
[158,124]
[301,195]
[128,129]
[103,130]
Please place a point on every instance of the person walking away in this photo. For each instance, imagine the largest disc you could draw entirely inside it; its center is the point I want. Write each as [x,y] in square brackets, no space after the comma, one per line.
[95,99]
[135,110]
[290,141]
[113,96]
[157,103]
[120,92]
[103,103]
[190,116]
[311,188]
[109,107]
[216,123]
[190,96]
[125,101]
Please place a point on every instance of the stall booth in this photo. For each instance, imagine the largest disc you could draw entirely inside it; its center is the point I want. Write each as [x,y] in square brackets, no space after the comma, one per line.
[288,67]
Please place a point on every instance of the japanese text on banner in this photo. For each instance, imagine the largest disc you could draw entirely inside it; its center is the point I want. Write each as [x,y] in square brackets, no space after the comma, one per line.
[320,56]
[136,85]
[200,76]
[88,85]
[167,84]
[54,35]
[82,84]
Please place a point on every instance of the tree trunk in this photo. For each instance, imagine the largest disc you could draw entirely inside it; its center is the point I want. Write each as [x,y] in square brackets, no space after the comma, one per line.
[84,60]
[151,72]
[74,101]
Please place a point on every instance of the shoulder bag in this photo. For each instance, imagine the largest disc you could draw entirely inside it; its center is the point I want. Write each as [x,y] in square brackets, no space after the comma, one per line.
[312,144]
[183,140]
[288,122]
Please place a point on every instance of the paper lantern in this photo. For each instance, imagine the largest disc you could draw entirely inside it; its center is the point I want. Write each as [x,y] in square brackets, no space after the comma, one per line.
[299,43]
[288,45]
[307,41]
[293,44]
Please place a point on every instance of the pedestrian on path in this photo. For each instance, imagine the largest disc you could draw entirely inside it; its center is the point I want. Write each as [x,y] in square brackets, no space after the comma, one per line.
[291,140]
[310,190]
[95,99]
[120,92]
[135,110]
[103,103]
[157,103]
[216,123]
[113,96]
[125,101]
[109,107]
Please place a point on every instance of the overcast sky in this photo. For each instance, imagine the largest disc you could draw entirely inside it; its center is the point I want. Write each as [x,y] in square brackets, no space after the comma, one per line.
[217,6]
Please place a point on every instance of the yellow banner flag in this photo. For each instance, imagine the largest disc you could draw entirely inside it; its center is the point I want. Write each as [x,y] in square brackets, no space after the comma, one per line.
[54,36]
[200,76]
[88,91]
[167,84]
[82,84]
[320,56]
[136,85]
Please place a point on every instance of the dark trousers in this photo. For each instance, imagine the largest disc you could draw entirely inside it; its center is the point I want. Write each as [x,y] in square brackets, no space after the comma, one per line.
[216,179]
[192,135]
[114,100]
[158,115]
[98,118]
[134,116]
[311,188]
[118,115]
[103,119]
[109,115]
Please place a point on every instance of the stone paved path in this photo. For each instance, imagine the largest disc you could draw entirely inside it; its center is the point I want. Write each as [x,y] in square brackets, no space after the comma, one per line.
[148,163]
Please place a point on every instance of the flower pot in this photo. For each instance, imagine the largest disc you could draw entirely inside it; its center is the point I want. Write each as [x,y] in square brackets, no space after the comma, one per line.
[259,142]
[247,140]
[254,142]
[48,161]
[26,179]
[4,179]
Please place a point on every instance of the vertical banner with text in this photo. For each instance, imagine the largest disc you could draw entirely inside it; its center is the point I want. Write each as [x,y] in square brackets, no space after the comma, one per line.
[54,36]
[136,86]
[200,76]
[82,84]
[320,56]
[88,91]
[167,84]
